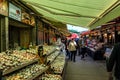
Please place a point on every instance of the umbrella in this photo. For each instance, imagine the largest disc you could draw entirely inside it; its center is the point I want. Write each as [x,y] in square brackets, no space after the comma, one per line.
[85,33]
[74,35]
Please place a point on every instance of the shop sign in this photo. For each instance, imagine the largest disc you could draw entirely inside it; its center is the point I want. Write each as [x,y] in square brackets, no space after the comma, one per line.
[3,7]
[14,12]
[28,19]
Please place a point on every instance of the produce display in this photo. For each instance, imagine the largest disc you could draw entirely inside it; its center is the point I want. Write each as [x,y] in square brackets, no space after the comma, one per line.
[22,64]
[24,55]
[48,49]
[59,63]
[27,73]
[33,51]
[51,77]
[52,56]
[16,58]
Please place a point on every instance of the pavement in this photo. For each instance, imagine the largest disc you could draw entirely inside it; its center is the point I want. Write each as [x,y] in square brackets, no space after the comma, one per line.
[86,69]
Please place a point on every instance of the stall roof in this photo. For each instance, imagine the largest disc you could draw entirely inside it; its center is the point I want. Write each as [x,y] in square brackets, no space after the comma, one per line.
[84,13]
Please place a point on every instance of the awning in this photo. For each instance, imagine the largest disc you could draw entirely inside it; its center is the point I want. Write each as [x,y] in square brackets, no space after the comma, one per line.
[84,13]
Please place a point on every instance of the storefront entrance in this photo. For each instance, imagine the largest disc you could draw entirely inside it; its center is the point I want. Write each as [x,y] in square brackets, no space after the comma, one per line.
[19,35]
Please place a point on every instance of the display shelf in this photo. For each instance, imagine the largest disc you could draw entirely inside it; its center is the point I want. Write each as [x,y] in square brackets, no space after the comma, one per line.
[19,67]
[95,54]
[50,57]
[58,68]
[28,73]
[51,77]
[64,70]
[53,58]
[38,73]
[51,52]
[59,72]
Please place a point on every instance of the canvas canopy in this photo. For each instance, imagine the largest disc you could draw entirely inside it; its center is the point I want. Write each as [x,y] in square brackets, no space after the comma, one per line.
[84,13]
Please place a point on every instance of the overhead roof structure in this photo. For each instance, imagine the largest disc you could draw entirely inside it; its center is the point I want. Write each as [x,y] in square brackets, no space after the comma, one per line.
[84,13]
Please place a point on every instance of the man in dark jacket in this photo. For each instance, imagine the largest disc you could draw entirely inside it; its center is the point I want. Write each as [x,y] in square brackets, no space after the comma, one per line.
[114,61]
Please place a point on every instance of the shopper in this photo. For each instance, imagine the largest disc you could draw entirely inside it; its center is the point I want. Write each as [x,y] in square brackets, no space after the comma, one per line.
[79,45]
[67,50]
[114,62]
[72,48]
[63,46]
[83,51]
[83,48]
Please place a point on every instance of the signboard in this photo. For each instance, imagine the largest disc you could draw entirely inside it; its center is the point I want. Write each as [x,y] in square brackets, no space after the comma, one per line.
[108,52]
[28,19]
[3,7]
[14,12]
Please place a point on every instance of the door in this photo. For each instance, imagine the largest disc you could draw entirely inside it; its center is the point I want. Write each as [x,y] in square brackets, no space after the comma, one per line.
[24,38]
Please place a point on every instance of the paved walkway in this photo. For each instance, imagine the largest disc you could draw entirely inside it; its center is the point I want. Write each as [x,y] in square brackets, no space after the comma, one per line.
[86,70]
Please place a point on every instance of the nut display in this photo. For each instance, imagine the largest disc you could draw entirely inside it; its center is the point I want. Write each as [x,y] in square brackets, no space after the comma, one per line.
[27,73]
[58,64]
[48,49]
[52,56]
[51,77]
[15,59]
[22,64]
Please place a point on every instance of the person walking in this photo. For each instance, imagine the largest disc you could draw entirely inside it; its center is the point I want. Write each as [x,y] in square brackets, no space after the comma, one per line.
[67,50]
[113,63]
[83,48]
[72,48]
[83,51]
[79,45]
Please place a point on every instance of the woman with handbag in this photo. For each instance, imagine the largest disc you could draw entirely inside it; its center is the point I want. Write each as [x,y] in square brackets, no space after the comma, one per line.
[72,48]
